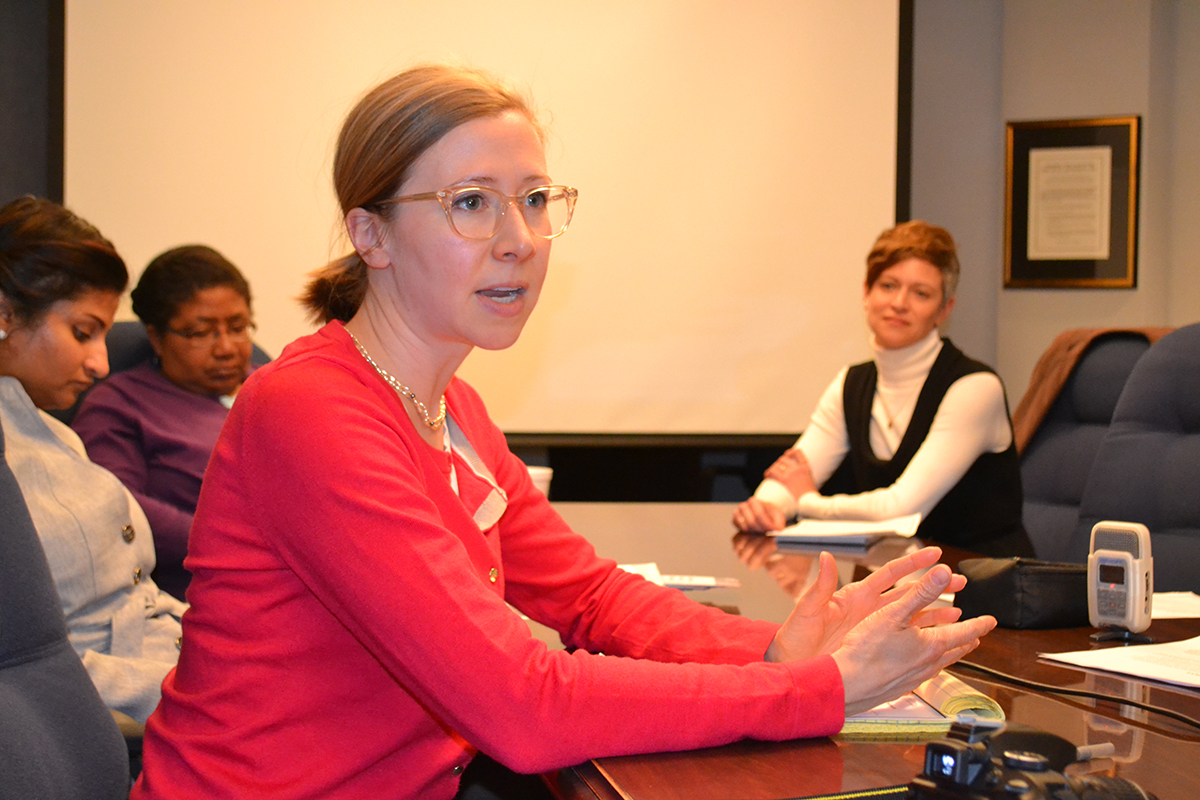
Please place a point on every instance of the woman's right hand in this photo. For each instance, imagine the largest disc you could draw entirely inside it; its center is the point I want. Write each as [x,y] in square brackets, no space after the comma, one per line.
[892,651]
[756,516]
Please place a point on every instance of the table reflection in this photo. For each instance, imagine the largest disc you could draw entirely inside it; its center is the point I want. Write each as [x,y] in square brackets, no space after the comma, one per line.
[699,539]
[794,567]
[794,572]
[1151,750]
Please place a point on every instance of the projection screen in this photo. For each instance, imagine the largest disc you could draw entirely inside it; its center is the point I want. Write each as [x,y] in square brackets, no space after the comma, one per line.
[735,160]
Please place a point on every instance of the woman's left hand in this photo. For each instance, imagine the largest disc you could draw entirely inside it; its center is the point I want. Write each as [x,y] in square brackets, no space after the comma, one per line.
[793,471]
[822,617]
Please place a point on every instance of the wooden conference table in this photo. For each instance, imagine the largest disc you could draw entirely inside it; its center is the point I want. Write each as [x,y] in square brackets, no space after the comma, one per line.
[1159,754]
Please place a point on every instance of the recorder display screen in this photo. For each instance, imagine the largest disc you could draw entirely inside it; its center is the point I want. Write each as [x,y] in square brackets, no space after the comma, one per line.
[1112,573]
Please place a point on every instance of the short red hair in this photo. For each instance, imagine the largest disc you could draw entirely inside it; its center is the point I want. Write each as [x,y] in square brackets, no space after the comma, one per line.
[916,239]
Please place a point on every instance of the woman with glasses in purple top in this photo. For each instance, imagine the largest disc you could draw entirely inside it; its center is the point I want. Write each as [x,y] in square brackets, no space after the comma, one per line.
[154,426]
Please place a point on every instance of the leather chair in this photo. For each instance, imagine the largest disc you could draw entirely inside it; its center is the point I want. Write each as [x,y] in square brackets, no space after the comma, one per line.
[1147,468]
[57,740]
[1056,463]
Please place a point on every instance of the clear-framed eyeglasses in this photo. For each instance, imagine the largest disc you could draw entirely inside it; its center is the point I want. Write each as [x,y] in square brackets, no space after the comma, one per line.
[477,212]
[237,332]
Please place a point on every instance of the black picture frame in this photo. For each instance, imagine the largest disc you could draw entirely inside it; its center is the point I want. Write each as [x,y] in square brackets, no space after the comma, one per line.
[1119,269]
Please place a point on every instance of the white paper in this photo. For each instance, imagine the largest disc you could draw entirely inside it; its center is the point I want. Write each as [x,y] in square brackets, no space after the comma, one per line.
[849,530]
[650,572]
[1174,662]
[1070,202]
[906,708]
[700,582]
[1175,605]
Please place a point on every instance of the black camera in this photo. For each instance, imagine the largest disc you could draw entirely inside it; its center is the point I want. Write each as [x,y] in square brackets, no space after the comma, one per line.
[999,761]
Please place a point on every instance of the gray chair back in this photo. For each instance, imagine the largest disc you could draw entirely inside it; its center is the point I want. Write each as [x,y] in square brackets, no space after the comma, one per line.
[57,740]
[1147,469]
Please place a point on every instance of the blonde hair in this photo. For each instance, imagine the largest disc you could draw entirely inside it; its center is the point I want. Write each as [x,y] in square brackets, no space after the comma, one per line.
[385,133]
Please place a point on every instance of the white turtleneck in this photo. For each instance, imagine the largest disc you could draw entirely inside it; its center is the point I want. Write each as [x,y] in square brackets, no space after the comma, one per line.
[971,420]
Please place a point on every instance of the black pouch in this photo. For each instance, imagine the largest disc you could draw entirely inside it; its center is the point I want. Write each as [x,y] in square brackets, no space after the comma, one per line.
[1023,593]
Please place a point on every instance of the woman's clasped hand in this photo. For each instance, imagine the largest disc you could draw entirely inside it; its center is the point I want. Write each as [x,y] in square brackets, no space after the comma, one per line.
[792,471]
[882,631]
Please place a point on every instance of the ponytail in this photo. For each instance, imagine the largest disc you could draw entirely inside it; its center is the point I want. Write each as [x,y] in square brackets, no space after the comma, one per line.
[336,290]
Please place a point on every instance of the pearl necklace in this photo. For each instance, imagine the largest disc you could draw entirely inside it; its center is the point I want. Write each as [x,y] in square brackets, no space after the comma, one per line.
[403,390]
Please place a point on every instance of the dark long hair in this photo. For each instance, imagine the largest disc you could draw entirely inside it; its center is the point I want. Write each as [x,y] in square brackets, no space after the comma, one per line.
[47,254]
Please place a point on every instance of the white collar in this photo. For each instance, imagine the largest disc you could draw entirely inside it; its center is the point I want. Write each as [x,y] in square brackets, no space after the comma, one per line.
[494,505]
[906,364]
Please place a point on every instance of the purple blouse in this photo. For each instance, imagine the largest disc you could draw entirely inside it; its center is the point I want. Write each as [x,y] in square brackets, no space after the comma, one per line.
[157,438]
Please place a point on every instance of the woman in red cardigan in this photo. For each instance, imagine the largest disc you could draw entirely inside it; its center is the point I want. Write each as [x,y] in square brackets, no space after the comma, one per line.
[363,529]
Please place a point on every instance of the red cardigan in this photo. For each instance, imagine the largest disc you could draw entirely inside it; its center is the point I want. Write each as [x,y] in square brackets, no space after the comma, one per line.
[349,634]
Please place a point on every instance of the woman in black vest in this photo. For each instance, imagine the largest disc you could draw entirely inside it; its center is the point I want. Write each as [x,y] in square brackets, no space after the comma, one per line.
[921,428]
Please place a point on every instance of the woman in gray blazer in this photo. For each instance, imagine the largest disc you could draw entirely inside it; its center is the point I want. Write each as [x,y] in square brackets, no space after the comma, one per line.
[60,282]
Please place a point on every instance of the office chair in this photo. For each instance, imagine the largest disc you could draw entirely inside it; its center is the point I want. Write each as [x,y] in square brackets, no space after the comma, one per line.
[1056,462]
[57,740]
[1147,468]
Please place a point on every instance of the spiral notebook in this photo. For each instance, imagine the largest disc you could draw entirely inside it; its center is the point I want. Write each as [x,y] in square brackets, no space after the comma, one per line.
[924,713]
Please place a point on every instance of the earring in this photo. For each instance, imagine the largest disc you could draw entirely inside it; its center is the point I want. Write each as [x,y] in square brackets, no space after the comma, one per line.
[3,335]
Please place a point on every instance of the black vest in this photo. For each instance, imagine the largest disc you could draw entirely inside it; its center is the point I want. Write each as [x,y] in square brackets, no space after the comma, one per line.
[982,512]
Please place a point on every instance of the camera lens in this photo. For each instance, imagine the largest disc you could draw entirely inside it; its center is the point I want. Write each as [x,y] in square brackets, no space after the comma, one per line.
[1097,788]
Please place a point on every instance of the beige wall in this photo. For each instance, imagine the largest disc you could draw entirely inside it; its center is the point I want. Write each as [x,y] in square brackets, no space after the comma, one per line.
[735,161]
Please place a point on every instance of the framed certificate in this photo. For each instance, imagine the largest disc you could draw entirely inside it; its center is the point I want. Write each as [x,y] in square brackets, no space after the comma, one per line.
[1071,199]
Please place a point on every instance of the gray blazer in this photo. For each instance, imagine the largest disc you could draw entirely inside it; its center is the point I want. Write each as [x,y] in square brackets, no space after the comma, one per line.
[101,554]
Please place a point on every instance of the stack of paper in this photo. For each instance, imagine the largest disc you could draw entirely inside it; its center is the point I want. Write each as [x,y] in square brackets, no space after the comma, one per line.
[1175,605]
[1173,662]
[821,533]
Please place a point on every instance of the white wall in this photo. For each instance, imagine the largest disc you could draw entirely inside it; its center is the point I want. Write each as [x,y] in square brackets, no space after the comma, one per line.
[981,64]
[958,154]
[1179,24]
[977,64]
[1092,58]
[735,161]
